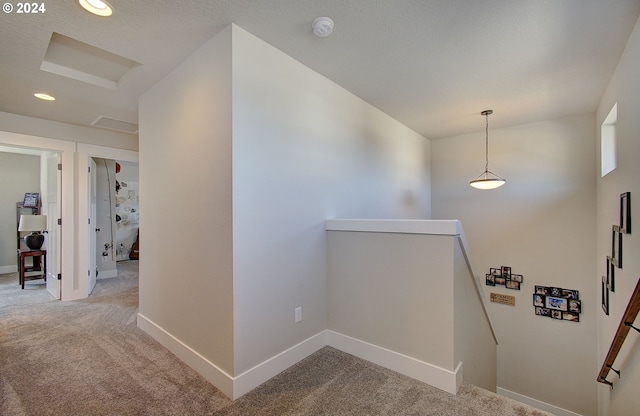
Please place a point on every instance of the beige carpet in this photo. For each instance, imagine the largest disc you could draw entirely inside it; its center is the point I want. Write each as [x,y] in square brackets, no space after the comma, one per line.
[89,358]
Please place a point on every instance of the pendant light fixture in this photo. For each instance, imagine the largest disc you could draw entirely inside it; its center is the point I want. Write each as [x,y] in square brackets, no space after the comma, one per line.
[487,179]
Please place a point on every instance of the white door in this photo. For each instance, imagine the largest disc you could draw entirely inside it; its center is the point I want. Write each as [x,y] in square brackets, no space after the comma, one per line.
[54,237]
[91,192]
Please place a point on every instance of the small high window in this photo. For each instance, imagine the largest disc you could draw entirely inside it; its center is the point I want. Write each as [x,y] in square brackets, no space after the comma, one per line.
[608,142]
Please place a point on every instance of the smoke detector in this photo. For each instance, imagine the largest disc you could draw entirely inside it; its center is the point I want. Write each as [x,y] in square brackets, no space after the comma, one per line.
[322,26]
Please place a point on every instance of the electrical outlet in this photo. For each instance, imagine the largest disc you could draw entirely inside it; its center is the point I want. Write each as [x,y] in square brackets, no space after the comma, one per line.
[298,314]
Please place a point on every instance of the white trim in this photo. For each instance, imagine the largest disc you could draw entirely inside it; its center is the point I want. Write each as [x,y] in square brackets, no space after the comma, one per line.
[36,142]
[262,372]
[214,374]
[108,152]
[8,269]
[558,411]
[441,378]
[435,227]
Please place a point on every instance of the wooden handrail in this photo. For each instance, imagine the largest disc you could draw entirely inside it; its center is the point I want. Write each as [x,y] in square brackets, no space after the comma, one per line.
[628,318]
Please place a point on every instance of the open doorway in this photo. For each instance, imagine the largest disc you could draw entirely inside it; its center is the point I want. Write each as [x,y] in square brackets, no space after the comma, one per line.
[114,211]
[34,173]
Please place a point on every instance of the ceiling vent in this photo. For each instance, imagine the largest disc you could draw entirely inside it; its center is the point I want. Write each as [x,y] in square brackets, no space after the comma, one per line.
[113,124]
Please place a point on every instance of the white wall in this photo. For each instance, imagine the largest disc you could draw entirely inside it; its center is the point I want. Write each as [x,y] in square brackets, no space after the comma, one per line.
[541,223]
[18,174]
[624,89]
[304,150]
[186,281]
[474,342]
[394,291]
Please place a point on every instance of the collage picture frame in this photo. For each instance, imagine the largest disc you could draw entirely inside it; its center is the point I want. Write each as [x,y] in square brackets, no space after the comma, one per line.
[502,276]
[557,303]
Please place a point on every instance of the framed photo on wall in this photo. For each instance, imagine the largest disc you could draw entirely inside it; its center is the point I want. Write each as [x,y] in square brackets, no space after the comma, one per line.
[559,304]
[605,295]
[490,279]
[30,200]
[616,246]
[611,275]
[625,213]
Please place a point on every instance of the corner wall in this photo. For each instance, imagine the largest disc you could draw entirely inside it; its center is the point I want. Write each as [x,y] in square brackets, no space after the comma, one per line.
[624,89]
[304,150]
[541,223]
[186,276]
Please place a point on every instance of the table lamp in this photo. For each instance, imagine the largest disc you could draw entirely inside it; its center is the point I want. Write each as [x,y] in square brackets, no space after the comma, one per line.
[36,224]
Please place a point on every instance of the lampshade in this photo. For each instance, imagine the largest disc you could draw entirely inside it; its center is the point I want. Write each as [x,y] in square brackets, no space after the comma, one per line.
[487,179]
[33,223]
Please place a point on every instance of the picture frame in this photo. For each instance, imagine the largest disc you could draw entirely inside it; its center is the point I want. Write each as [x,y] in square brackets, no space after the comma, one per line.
[31,200]
[542,311]
[555,314]
[625,213]
[575,305]
[605,295]
[616,246]
[506,272]
[611,275]
[512,284]
[554,303]
[555,292]
[490,279]
[571,316]
[500,280]
[541,290]
[517,278]
[538,300]
[495,271]
[570,294]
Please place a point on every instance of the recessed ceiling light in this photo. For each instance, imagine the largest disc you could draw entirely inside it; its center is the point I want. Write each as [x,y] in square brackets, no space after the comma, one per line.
[97,7]
[44,96]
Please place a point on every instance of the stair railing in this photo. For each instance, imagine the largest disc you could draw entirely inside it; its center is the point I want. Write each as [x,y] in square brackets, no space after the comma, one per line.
[626,323]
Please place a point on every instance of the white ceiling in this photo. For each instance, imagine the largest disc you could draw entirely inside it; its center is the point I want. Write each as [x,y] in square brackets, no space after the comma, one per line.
[432,64]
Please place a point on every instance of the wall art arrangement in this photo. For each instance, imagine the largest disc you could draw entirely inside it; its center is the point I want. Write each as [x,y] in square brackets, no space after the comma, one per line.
[557,303]
[615,259]
[502,276]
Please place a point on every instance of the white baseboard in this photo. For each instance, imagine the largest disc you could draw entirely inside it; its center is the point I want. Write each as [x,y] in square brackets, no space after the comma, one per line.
[558,411]
[233,387]
[216,376]
[428,373]
[8,269]
[262,372]
[236,387]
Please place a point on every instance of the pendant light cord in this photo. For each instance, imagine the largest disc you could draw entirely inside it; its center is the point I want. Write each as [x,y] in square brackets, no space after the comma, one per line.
[486,146]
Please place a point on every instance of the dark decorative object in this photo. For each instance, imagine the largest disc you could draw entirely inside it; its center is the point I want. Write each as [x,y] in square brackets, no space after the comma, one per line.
[616,246]
[34,240]
[611,275]
[502,276]
[625,213]
[557,303]
[605,295]
[33,224]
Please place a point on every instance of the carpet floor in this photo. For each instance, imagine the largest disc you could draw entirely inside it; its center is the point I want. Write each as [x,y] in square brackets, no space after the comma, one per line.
[88,357]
